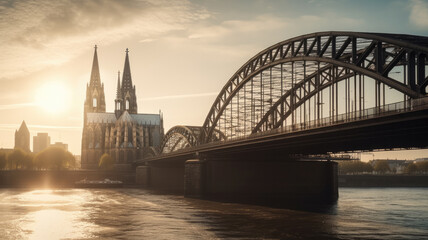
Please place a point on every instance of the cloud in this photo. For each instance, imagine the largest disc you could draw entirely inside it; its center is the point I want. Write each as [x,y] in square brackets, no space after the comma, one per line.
[197,95]
[419,13]
[36,34]
[147,40]
[38,127]
[259,24]
[55,127]
[16,106]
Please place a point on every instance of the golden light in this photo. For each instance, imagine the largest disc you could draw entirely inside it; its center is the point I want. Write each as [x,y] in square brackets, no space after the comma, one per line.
[53,97]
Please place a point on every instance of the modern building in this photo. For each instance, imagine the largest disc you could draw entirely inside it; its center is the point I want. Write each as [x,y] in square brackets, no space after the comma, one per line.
[124,134]
[41,142]
[22,138]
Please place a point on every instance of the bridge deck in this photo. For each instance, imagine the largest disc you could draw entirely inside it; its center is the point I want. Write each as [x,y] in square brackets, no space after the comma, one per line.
[400,130]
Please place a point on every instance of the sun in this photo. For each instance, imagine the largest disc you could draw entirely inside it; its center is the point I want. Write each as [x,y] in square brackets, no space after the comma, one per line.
[53,97]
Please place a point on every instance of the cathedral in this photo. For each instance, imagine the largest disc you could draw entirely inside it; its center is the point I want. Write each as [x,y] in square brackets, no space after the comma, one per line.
[125,135]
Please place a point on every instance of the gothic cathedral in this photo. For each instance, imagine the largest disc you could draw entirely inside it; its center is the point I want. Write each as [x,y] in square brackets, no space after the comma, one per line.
[124,134]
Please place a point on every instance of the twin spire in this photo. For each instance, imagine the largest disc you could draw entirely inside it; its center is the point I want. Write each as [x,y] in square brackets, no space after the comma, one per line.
[126,78]
[126,99]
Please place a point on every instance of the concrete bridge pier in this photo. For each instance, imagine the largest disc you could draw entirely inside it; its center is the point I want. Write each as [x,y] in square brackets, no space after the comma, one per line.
[162,177]
[273,183]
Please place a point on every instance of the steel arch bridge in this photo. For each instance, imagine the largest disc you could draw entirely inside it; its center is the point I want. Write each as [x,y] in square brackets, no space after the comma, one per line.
[315,78]
[180,137]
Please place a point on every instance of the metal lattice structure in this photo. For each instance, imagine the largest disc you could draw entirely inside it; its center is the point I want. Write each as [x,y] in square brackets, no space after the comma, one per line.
[318,76]
[180,137]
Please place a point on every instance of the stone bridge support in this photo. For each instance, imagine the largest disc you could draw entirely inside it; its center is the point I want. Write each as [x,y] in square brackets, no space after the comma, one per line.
[271,183]
[162,177]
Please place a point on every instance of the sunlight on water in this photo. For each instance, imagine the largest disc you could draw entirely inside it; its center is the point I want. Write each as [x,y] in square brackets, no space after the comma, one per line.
[138,214]
[47,214]
[51,224]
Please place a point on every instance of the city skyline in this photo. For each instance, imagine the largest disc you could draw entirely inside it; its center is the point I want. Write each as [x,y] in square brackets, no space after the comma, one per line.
[176,51]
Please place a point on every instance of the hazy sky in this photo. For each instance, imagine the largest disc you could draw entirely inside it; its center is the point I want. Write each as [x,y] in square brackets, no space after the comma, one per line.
[181,52]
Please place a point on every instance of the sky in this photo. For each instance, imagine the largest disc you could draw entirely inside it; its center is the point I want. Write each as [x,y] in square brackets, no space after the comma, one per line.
[181,52]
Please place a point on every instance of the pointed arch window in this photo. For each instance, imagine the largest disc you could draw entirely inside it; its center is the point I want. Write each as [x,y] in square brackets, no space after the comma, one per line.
[127,104]
[94,102]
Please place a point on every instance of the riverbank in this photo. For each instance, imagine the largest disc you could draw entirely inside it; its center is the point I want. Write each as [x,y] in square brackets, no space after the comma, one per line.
[67,178]
[59,178]
[370,180]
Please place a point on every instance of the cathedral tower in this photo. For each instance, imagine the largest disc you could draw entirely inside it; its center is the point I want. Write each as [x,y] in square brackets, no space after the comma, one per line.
[95,100]
[126,98]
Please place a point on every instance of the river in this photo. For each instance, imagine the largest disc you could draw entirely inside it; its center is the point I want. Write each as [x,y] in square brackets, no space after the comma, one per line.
[360,213]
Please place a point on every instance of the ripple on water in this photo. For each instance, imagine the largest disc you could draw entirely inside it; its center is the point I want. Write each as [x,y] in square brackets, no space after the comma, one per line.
[138,214]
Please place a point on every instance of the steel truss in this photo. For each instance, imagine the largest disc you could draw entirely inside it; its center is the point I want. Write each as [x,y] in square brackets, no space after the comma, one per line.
[318,76]
[180,137]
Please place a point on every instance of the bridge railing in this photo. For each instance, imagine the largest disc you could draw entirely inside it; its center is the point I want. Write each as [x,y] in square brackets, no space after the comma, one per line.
[385,110]
[389,109]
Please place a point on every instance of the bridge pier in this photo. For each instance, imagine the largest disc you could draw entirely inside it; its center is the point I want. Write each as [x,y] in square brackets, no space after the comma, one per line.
[194,178]
[142,176]
[273,183]
[167,178]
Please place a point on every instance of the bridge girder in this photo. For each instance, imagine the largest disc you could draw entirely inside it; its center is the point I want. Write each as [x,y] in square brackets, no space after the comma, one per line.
[313,63]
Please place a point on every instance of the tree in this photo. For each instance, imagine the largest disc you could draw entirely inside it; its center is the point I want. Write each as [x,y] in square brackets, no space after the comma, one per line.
[27,161]
[411,168]
[106,162]
[17,159]
[422,166]
[381,167]
[3,160]
[354,167]
[54,158]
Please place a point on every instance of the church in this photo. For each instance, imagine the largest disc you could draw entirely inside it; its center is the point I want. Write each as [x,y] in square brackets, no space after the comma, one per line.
[124,134]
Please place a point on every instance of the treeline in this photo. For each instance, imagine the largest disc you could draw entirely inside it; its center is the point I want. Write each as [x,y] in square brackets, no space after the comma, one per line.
[52,158]
[380,167]
[418,167]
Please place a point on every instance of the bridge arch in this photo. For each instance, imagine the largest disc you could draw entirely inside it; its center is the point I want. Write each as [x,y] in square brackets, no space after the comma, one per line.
[180,137]
[286,83]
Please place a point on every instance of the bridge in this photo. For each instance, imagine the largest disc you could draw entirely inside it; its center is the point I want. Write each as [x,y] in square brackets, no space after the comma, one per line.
[314,94]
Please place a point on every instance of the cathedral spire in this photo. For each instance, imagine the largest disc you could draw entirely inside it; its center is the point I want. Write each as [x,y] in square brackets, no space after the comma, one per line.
[118,90]
[95,99]
[126,78]
[128,97]
[95,73]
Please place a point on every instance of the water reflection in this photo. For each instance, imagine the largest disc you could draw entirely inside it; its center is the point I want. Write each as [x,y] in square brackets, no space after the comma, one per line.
[45,214]
[138,214]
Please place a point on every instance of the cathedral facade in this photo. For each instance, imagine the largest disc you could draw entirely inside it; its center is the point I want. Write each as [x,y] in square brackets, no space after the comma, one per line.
[124,134]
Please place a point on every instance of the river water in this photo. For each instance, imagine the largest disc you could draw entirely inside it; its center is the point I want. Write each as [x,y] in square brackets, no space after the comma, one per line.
[361,213]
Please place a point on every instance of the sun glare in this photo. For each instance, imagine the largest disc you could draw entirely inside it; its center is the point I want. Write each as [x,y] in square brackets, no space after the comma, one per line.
[53,97]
